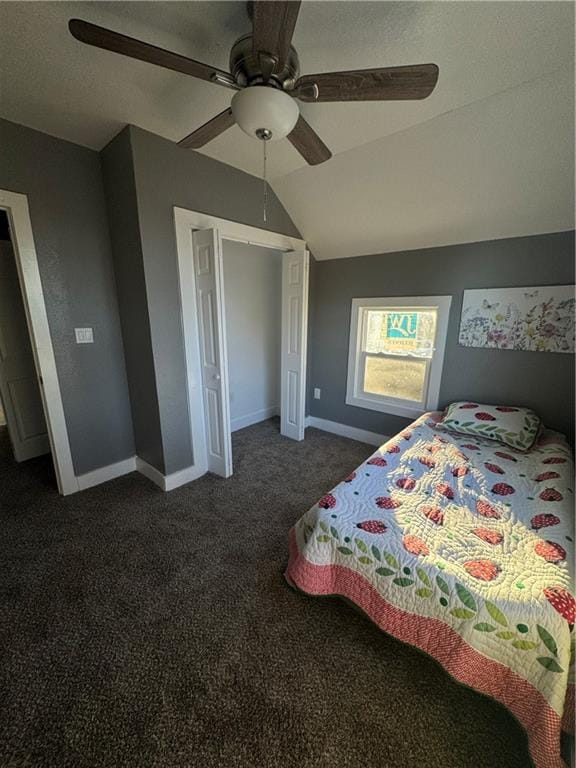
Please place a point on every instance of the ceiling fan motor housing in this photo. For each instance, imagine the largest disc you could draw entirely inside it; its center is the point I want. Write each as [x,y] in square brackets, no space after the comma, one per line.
[246,67]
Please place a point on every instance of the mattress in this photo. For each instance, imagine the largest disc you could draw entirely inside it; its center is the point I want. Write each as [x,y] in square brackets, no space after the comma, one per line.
[463,548]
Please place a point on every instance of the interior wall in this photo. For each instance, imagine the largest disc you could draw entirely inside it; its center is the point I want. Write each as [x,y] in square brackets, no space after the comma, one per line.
[539,380]
[253,304]
[63,183]
[166,176]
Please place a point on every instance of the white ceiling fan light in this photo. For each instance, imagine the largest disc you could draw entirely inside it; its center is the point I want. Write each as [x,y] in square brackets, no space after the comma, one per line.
[265,113]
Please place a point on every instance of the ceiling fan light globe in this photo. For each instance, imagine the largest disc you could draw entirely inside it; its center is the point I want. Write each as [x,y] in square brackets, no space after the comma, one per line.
[260,108]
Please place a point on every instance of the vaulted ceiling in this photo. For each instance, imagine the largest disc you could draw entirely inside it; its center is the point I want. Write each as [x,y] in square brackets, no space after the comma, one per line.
[490,154]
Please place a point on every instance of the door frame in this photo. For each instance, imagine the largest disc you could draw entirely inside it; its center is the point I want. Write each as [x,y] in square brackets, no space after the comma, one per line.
[185,222]
[16,206]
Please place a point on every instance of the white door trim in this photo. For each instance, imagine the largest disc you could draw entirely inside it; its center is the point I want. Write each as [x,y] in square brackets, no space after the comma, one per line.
[185,223]
[16,206]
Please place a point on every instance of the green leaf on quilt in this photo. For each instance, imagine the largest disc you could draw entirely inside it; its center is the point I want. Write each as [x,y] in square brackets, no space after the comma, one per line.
[345,550]
[550,664]
[466,423]
[484,627]
[423,576]
[334,532]
[403,582]
[323,525]
[547,639]
[462,613]
[524,645]
[496,613]
[361,545]
[443,585]
[424,592]
[364,560]
[323,538]
[376,552]
[391,560]
[384,571]
[466,597]
[504,634]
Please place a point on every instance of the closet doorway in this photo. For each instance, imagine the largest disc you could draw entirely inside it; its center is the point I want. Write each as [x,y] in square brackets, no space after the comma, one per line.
[244,298]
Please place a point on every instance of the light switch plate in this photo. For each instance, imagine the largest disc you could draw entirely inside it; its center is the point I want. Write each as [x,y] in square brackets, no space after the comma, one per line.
[84,335]
[316,393]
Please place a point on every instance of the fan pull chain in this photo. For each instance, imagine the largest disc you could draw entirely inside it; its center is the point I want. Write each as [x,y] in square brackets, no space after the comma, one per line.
[265,184]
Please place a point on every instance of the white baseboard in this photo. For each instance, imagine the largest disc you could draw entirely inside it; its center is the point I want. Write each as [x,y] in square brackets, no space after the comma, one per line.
[253,418]
[168,482]
[103,474]
[344,430]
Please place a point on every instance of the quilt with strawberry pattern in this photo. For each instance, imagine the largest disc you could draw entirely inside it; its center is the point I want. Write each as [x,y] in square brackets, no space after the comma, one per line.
[464,548]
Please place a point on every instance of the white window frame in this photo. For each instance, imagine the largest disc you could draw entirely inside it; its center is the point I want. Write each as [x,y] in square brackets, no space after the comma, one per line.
[356,357]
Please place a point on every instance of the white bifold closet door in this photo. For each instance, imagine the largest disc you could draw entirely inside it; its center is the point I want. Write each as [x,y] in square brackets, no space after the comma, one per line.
[208,271]
[294,328]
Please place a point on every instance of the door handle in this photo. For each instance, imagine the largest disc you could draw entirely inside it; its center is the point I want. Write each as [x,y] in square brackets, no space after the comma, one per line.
[216,377]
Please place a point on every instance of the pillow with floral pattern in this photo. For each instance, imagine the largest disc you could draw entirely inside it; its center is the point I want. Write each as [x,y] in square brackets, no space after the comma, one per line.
[517,427]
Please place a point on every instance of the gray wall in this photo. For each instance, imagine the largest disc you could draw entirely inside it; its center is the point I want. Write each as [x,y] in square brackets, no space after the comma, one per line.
[166,176]
[542,381]
[253,298]
[63,183]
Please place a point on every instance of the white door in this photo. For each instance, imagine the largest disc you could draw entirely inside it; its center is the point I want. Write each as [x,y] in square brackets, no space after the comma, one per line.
[19,387]
[294,328]
[213,357]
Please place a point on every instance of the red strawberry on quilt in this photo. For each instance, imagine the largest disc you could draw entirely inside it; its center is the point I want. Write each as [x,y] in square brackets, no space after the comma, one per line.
[483,570]
[563,602]
[393,449]
[406,435]
[544,521]
[487,510]
[550,551]
[554,460]
[459,471]
[546,476]
[503,455]
[386,502]
[327,502]
[483,416]
[434,514]
[372,526]
[506,409]
[469,405]
[350,477]
[377,461]
[490,537]
[406,483]
[427,462]
[551,494]
[494,468]
[415,545]
[471,447]
[502,489]
[445,490]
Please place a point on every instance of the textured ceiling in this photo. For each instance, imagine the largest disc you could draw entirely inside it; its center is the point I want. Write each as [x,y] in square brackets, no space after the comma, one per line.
[489,154]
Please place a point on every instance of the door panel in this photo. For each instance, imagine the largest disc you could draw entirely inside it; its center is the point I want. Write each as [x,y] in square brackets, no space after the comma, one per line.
[18,381]
[211,320]
[294,325]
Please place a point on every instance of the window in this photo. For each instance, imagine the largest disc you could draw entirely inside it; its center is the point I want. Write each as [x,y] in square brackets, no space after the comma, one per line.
[396,353]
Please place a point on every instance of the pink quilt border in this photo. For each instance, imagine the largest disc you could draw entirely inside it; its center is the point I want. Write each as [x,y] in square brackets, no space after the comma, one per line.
[434,637]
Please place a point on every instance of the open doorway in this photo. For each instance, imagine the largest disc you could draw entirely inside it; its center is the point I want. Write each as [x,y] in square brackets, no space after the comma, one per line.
[21,411]
[201,243]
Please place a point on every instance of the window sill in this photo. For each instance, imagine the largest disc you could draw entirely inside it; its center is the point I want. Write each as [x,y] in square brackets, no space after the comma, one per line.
[407,411]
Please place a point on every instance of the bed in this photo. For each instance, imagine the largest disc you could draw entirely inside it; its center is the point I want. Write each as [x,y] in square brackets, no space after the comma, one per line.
[463,548]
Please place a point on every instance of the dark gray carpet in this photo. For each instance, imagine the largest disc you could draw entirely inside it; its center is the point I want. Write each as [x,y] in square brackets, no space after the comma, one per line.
[144,629]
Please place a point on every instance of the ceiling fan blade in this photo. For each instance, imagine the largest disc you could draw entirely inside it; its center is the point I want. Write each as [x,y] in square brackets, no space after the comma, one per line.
[101,37]
[385,84]
[273,25]
[208,131]
[308,143]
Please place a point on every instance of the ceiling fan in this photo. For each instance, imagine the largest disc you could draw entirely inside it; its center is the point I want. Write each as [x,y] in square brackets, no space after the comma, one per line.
[264,72]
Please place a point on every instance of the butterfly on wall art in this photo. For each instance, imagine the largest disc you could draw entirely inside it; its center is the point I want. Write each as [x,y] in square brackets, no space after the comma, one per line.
[533,319]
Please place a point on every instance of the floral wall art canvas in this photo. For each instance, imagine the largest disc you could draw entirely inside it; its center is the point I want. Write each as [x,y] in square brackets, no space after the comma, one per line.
[531,319]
